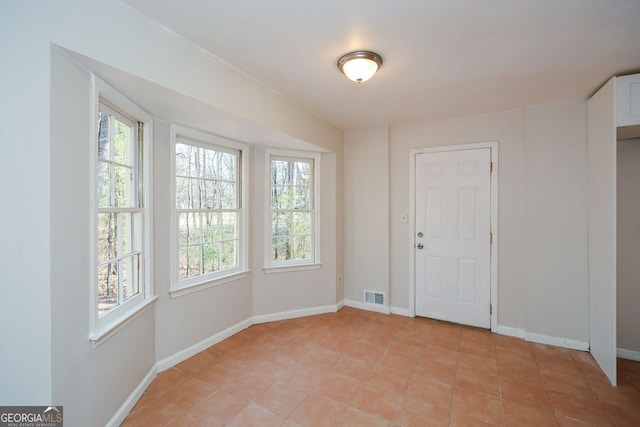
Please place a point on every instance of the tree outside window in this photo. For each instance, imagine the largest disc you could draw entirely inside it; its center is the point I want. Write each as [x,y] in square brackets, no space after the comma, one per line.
[120,210]
[292,210]
[207,208]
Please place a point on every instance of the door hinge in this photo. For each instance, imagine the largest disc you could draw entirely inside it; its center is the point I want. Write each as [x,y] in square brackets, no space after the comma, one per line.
[490,167]
[490,309]
[490,238]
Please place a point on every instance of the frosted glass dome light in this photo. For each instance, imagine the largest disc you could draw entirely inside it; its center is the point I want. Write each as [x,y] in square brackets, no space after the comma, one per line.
[360,66]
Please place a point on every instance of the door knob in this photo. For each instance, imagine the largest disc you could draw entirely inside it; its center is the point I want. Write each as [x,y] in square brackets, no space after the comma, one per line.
[420,246]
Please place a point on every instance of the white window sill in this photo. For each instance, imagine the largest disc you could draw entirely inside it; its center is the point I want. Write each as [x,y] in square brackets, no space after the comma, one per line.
[106,331]
[200,286]
[291,267]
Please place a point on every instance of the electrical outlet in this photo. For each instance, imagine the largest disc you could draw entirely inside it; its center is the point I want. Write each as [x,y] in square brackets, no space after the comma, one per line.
[403,217]
[339,280]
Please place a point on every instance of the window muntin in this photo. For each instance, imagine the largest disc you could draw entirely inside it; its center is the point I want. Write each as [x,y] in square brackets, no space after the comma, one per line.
[208,201]
[119,222]
[292,211]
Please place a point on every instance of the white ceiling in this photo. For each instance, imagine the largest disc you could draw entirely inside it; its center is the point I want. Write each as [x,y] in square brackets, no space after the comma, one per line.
[441,58]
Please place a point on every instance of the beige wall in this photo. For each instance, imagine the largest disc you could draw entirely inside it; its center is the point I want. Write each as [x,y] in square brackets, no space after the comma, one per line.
[366,203]
[542,289]
[557,291]
[628,243]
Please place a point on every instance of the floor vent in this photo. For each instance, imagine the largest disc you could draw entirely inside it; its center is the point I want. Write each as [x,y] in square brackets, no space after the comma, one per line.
[374,297]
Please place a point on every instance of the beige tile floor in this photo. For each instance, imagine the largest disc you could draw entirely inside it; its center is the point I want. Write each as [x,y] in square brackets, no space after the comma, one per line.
[359,368]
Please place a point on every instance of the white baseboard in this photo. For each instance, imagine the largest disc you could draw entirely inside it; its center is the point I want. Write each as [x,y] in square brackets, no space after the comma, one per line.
[400,311]
[629,354]
[542,339]
[364,306]
[340,304]
[560,342]
[509,331]
[292,314]
[133,398]
[182,355]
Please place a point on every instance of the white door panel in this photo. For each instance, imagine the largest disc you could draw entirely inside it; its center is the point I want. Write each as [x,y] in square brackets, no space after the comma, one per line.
[453,255]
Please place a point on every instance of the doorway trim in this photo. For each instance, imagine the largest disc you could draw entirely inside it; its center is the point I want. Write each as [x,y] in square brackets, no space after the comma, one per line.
[493,145]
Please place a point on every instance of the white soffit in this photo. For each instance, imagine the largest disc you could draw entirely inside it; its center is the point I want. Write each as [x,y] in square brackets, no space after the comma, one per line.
[174,107]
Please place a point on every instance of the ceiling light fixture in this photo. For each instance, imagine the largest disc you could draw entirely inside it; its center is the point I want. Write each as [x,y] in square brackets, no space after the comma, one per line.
[360,65]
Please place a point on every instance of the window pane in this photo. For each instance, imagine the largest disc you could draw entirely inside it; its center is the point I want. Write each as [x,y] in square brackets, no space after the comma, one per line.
[229,225]
[288,197]
[195,191]
[130,231]
[182,193]
[193,162]
[209,195]
[281,224]
[186,160]
[211,227]
[107,234]
[107,287]
[227,167]
[281,248]
[227,195]
[280,172]
[281,197]
[301,247]
[104,184]
[229,257]
[211,256]
[301,223]
[187,193]
[285,172]
[302,174]
[124,187]
[189,224]
[104,147]
[301,198]
[210,160]
[130,276]
[123,143]
[189,261]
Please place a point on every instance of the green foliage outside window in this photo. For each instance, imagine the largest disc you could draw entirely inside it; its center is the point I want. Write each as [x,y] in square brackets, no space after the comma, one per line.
[119,221]
[207,202]
[291,209]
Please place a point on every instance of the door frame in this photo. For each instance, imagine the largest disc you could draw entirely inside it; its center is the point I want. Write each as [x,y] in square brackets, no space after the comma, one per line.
[493,146]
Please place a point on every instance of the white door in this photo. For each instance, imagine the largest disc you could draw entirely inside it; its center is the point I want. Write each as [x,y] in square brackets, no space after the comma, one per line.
[453,226]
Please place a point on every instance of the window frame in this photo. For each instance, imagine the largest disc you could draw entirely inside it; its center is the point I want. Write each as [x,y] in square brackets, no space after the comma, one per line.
[270,265]
[102,327]
[179,287]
